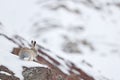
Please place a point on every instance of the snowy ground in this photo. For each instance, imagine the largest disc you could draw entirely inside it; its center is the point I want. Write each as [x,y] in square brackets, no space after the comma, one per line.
[11,61]
[101,28]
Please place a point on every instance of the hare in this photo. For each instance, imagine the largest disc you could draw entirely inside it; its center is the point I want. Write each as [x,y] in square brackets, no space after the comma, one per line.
[28,54]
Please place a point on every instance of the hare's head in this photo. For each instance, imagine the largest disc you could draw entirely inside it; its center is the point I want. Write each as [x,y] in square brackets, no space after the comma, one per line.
[33,45]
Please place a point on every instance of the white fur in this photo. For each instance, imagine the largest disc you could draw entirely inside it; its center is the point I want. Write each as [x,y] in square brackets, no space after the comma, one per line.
[28,54]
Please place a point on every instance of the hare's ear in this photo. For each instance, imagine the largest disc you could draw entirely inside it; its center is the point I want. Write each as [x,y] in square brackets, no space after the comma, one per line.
[34,43]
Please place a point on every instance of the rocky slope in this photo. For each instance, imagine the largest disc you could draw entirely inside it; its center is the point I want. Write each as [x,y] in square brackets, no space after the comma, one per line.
[40,73]
[77,39]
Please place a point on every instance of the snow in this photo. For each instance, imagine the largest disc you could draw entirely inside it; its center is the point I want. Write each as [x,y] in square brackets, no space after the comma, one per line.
[11,61]
[14,12]
[102,30]
[15,64]
[5,73]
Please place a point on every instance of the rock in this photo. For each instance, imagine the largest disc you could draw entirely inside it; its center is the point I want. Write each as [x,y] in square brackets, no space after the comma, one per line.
[6,74]
[36,73]
[71,47]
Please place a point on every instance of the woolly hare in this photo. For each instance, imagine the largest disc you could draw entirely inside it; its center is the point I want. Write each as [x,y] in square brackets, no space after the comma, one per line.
[28,54]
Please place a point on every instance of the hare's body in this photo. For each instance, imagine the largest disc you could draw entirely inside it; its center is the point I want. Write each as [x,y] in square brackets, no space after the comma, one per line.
[28,54]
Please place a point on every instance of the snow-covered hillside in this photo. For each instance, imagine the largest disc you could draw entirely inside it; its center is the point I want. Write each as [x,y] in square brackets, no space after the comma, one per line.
[85,32]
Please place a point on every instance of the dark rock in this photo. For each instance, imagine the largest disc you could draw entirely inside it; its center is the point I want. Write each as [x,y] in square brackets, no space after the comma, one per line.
[71,47]
[36,73]
[4,76]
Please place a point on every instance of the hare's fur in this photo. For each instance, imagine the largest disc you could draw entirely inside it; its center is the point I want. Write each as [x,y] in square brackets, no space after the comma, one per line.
[28,54]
